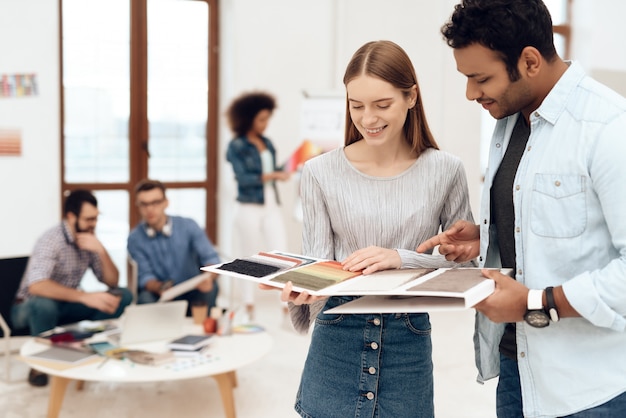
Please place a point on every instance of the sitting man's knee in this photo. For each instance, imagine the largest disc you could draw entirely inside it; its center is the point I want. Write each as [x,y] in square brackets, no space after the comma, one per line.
[126,296]
[46,307]
[145,296]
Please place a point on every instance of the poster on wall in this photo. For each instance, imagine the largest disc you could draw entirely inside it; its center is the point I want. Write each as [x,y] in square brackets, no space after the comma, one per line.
[18,85]
[323,119]
[322,122]
[10,142]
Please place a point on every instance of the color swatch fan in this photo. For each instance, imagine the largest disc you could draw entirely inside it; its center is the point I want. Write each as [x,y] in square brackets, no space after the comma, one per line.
[305,151]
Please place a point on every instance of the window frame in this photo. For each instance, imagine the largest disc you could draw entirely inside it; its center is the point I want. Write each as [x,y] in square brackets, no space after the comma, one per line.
[138,131]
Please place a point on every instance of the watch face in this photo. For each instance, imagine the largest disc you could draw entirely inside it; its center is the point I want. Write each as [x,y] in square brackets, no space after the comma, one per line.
[537,319]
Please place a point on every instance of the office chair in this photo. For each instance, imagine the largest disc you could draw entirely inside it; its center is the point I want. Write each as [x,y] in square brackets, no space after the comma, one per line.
[11,272]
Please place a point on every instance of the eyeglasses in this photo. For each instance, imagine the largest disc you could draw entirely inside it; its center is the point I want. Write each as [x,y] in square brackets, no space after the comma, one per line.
[91,219]
[145,205]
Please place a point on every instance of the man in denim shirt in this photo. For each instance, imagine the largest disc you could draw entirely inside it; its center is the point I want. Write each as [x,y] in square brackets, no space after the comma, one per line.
[169,249]
[552,209]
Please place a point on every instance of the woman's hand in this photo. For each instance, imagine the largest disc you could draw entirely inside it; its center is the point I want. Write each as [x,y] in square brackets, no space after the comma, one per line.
[289,295]
[371,259]
[276,175]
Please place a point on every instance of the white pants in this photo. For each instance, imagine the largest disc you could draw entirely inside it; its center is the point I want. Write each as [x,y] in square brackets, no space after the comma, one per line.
[257,228]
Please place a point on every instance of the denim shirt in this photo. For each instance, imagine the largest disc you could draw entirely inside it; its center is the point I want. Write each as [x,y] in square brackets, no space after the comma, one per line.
[569,196]
[176,257]
[247,166]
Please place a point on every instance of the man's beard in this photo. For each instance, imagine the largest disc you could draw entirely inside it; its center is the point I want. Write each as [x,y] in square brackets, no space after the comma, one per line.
[78,229]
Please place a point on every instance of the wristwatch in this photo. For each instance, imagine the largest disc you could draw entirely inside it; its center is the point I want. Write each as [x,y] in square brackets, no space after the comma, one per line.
[536,316]
[551,308]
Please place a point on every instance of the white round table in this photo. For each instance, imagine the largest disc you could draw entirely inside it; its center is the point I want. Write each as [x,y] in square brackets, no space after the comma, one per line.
[223,358]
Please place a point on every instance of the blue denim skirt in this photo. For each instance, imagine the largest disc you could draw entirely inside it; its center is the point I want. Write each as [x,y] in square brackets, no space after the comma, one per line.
[374,365]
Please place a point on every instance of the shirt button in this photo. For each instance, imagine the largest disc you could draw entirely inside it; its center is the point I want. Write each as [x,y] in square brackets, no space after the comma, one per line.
[376,321]
[519,271]
[370,395]
[537,114]
[374,346]
[529,148]
[485,222]
[517,229]
[517,187]
[372,370]
[522,354]
[498,145]
[557,183]
[480,258]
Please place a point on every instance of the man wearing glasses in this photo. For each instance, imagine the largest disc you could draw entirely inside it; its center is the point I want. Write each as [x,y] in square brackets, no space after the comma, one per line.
[169,249]
[49,294]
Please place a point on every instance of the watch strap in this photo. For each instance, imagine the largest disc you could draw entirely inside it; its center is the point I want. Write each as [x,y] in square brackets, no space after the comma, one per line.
[535,300]
[551,308]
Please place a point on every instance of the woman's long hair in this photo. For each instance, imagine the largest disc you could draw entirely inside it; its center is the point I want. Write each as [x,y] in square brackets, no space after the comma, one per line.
[387,61]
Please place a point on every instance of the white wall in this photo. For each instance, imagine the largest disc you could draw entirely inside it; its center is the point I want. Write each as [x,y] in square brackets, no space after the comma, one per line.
[284,53]
[599,34]
[598,42]
[30,184]
[307,45]
[283,46]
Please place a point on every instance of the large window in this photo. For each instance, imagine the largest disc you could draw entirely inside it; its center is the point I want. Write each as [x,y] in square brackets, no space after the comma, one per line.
[139,99]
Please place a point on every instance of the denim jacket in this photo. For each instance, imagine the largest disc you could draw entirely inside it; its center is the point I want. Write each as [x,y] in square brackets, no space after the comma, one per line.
[570,229]
[246,162]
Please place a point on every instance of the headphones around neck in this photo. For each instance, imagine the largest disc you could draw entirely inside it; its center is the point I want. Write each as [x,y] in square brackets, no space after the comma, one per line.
[167,230]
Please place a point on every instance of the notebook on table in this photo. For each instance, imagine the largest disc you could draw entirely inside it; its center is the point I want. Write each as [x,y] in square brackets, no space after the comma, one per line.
[150,322]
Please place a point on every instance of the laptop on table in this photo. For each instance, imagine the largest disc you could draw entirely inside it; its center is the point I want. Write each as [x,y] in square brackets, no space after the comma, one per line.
[150,322]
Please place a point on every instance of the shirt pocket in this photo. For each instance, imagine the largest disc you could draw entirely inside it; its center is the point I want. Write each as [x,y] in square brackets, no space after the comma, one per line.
[558,206]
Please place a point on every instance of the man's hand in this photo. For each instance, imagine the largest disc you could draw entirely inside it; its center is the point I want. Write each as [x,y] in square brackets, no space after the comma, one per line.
[460,242]
[88,241]
[157,287]
[102,301]
[372,259]
[508,303]
[206,286]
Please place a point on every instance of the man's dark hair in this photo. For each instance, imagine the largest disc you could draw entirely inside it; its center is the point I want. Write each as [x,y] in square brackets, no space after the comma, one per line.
[504,26]
[243,110]
[74,201]
[147,184]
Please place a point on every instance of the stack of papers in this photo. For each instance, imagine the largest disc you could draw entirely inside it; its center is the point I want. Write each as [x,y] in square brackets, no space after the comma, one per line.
[63,355]
[190,342]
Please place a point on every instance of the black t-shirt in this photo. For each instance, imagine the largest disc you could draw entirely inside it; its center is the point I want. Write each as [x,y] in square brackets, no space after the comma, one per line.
[503,213]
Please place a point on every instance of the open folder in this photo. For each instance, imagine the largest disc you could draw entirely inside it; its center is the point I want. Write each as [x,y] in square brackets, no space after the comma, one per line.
[182,287]
[453,287]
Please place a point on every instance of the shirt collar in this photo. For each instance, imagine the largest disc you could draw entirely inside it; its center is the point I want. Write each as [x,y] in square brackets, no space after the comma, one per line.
[554,104]
[67,232]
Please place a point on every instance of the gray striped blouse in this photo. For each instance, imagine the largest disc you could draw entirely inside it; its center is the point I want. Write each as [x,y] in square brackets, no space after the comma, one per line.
[346,210]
